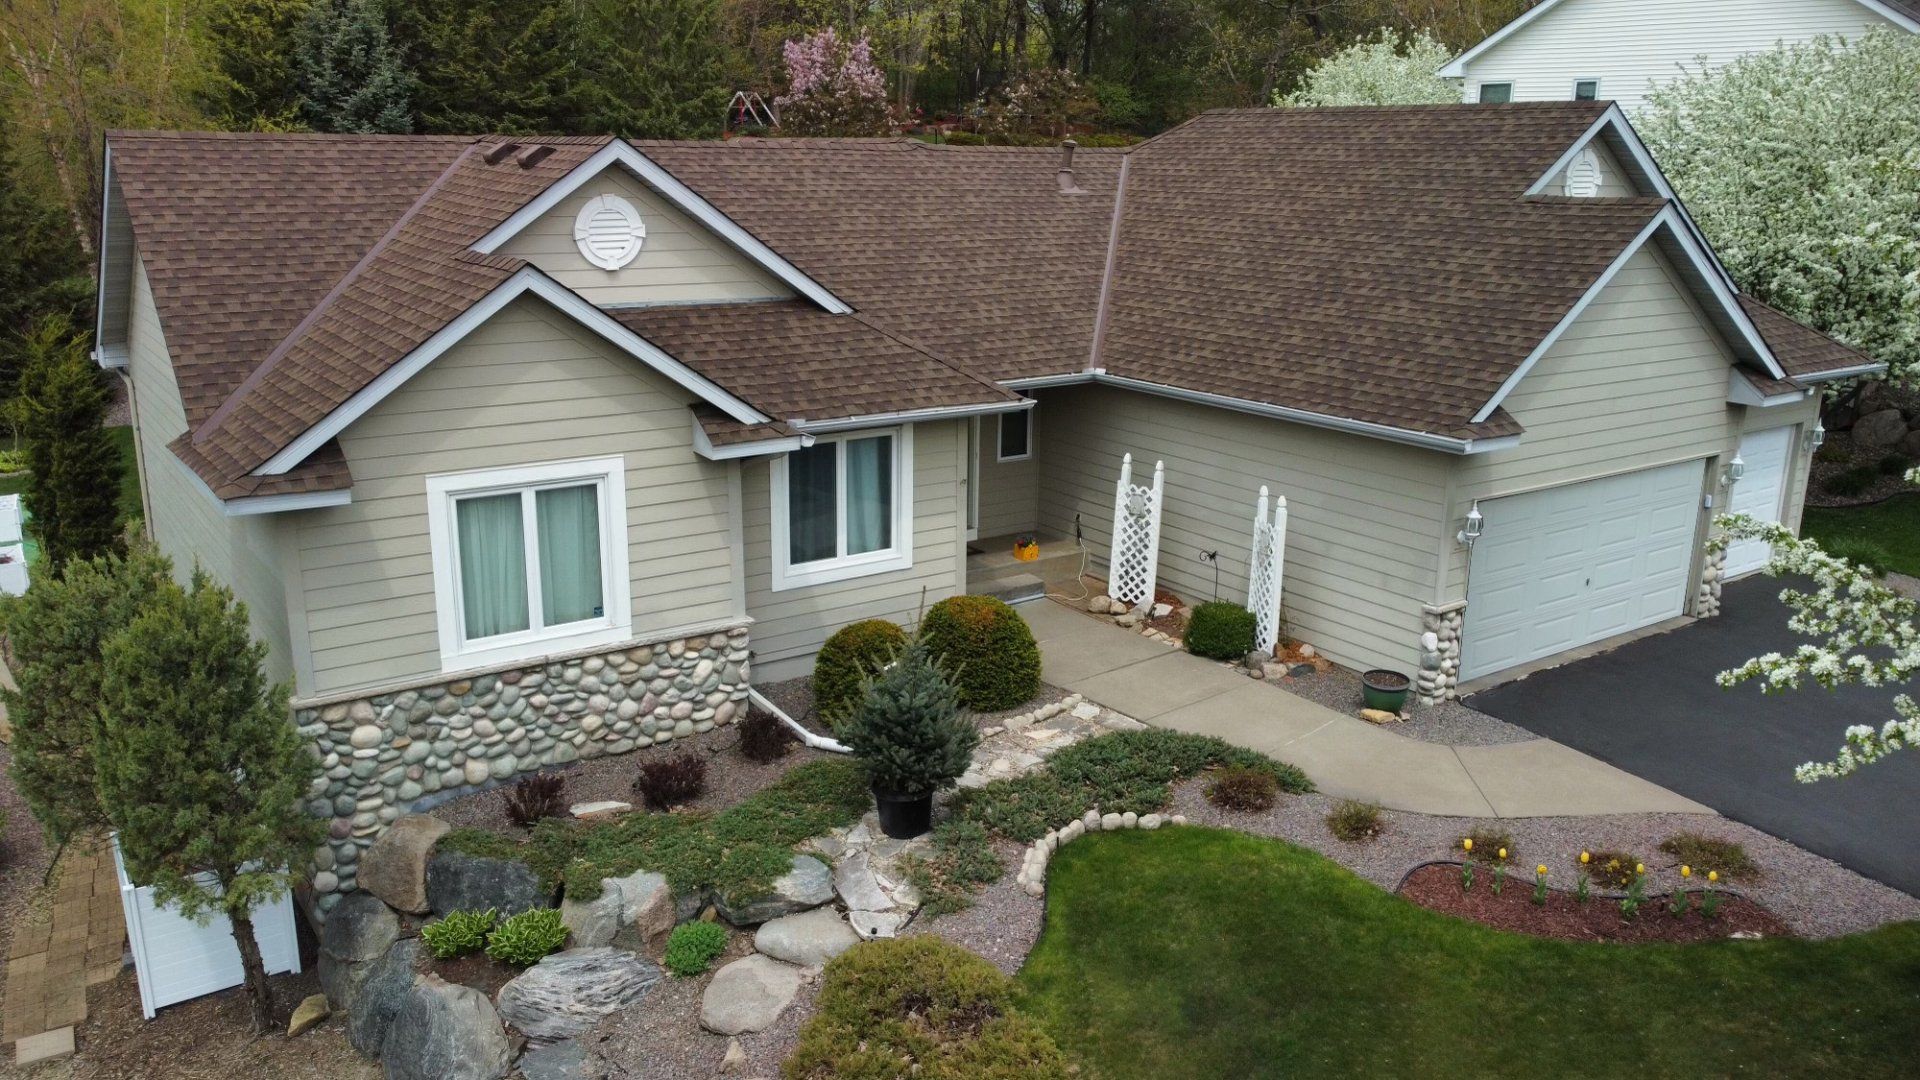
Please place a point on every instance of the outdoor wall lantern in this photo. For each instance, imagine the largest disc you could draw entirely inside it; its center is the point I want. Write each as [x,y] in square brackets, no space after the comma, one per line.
[1476,524]
[1817,438]
[1735,470]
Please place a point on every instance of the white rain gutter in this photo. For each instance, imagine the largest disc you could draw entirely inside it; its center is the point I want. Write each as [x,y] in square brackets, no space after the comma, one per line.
[817,742]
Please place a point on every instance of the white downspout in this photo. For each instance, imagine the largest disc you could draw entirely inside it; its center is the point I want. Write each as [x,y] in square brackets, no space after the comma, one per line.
[817,742]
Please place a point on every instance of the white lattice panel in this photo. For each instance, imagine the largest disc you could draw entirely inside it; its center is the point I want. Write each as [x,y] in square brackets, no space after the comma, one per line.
[1267,570]
[1135,557]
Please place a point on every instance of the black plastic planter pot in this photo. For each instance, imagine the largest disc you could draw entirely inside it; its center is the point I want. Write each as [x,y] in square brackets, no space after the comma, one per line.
[904,817]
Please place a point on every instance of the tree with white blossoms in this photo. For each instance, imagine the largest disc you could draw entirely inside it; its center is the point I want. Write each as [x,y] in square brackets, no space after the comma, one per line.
[1864,634]
[1383,70]
[1802,166]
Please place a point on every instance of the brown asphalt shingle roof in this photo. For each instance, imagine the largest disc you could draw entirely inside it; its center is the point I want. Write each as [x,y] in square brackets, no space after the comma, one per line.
[1801,350]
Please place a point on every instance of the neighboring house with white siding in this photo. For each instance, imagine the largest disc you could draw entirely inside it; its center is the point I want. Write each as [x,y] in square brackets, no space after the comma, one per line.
[1619,50]
[525,450]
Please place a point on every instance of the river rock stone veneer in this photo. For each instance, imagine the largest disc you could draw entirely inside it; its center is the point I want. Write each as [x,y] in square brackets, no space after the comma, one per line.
[382,754]
[1713,571]
[1439,678]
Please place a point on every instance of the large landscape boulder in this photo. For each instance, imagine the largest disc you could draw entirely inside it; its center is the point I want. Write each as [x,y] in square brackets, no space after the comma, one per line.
[565,994]
[358,932]
[1884,427]
[808,939]
[395,867]
[749,995]
[445,1032]
[564,1060]
[628,911]
[807,885]
[457,881]
[384,989]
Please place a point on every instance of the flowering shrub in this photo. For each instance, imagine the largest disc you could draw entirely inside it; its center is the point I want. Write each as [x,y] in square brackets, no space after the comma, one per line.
[1864,634]
[1045,101]
[1384,70]
[833,87]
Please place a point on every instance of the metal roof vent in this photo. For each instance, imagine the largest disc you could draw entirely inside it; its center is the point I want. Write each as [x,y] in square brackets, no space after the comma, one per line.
[1067,184]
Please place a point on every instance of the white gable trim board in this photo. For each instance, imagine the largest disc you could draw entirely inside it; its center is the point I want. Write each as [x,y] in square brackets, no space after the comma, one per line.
[685,198]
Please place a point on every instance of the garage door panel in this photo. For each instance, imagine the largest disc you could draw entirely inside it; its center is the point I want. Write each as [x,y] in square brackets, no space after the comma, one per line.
[1559,568]
[1761,493]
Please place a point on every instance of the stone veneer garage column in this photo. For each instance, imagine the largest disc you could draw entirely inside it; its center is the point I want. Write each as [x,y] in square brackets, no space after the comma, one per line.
[381,754]
[1439,678]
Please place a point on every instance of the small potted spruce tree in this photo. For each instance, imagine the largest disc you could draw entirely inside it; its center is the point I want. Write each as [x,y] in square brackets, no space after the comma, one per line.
[910,731]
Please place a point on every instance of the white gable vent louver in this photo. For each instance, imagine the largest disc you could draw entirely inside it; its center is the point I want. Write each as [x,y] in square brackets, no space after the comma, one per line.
[1584,175]
[609,232]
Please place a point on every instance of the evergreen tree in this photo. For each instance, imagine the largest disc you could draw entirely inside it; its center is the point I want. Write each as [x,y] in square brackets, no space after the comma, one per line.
[909,728]
[58,631]
[349,72]
[492,65]
[668,82]
[73,485]
[42,269]
[200,767]
[252,47]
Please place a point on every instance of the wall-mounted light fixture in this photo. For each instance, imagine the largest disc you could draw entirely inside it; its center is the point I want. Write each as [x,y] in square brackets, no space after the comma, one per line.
[1476,524]
[1734,471]
[1816,438]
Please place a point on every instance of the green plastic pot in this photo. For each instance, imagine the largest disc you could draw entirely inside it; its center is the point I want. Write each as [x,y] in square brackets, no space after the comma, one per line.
[1385,690]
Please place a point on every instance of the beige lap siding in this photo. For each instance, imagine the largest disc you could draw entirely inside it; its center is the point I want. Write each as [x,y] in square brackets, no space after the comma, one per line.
[1359,559]
[790,625]
[182,516]
[1639,380]
[1009,490]
[527,387]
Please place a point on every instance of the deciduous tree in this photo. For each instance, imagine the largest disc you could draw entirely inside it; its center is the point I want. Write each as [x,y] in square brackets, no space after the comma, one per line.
[1386,69]
[833,87]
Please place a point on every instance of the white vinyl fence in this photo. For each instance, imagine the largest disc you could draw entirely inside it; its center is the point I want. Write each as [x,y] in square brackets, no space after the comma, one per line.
[178,959]
[1267,572]
[1134,562]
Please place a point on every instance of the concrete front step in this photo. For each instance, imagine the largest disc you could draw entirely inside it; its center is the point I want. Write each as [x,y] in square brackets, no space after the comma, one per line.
[1013,588]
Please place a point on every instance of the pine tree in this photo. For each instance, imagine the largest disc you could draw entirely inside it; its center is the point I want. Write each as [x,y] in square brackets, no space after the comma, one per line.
[200,767]
[506,66]
[252,46]
[666,83]
[57,632]
[348,71]
[42,269]
[73,486]
[909,728]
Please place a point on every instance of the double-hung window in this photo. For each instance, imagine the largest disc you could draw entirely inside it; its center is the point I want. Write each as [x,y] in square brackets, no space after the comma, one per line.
[529,561]
[843,508]
[1496,93]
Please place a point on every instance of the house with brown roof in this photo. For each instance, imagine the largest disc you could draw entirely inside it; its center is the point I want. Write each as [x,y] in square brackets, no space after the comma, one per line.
[458,416]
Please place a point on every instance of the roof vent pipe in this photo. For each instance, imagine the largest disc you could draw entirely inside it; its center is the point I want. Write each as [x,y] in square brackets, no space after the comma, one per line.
[1067,186]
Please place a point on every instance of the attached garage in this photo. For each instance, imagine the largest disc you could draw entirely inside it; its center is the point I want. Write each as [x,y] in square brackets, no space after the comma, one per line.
[1761,493]
[1559,568]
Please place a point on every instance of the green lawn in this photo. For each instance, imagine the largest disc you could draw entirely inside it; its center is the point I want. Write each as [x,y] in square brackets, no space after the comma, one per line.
[129,477]
[1204,953]
[1893,525]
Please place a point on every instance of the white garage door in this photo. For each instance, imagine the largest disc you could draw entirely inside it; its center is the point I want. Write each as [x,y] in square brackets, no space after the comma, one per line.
[1562,567]
[1760,493]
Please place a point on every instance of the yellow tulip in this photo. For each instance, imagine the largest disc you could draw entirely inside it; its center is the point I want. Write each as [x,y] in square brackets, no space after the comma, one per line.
[1541,869]
[1503,853]
[1586,857]
[1639,868]
[1713,875]
[1686,871]
[1467,843]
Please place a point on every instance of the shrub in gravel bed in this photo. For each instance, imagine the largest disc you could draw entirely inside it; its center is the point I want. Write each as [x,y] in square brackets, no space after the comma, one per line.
[763,738]
[1220,630]
[855,653]
[959,860]
[1705,853]
[1612,869]
[985,647]
[693,947]
[1489,842]
[521,940]
[1238,787]
[537,797]
[459,933]
[1116,773]
[920,1007]
[1354,821]
[666,782]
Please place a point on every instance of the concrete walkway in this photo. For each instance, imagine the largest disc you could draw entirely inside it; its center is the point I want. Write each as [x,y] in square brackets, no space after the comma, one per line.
[1345,756]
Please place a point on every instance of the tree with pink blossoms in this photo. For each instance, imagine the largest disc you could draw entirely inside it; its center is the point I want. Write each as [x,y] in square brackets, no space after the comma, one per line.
[833,87]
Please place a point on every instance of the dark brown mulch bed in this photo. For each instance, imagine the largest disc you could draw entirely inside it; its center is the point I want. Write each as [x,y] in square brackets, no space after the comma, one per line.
[1840,455]
[1437,887]
[476,970]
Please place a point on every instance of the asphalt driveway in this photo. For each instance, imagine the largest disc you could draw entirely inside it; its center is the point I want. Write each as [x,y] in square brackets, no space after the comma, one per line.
[1652,708]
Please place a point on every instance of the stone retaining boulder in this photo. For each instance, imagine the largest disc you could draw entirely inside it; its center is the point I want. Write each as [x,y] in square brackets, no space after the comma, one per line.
[565,994]
[388,982]
[808,939]
[457,881]
[1882,428]
[749,995]
[359,932]
[628,911]
[395,867]
[808,885]
[445,1032]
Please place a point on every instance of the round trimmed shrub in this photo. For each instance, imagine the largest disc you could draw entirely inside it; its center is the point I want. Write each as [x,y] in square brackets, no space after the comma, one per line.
[919,1006]
[984,646]
[1220,630]
[693,947]
[855,653]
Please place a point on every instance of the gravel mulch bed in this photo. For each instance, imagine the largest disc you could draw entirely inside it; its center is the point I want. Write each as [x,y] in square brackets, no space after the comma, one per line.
[1449,723]
[1814,897]
[1437,887]
[795,698]
[731,777]
[1003,923]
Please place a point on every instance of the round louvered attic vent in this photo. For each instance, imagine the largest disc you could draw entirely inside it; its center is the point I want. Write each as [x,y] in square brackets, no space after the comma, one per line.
[609,232]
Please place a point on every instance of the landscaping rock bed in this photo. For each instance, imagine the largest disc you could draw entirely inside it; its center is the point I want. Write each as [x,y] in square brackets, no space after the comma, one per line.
[1437,886]
[1449,723]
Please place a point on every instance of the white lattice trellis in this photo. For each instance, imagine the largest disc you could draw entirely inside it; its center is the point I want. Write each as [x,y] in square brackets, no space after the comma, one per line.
[1134,562]
[1267,570]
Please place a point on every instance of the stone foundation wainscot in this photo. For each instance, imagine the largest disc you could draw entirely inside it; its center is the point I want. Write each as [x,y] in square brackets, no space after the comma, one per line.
[1713,569]
[383,754]
[1439,678]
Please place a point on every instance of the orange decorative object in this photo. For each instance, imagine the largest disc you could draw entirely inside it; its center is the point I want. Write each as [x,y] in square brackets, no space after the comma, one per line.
[1026,549]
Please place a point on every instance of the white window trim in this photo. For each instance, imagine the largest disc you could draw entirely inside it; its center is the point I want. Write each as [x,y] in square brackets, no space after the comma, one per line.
[999,438]
[1480,92]
[1598,85]
[615,626]
[786,575]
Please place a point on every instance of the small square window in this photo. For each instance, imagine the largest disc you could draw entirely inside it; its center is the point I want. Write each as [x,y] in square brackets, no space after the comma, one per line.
[1498,93]
[1586,90]
[1016,435]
